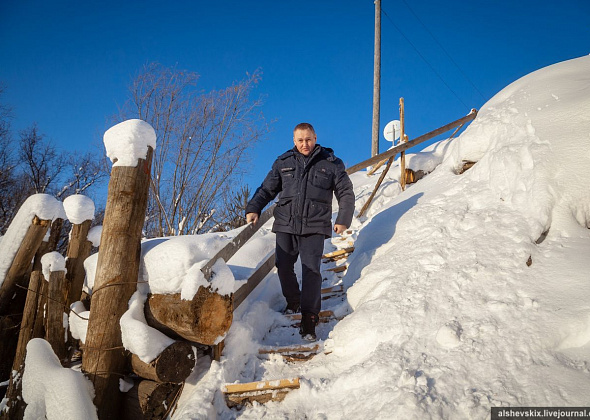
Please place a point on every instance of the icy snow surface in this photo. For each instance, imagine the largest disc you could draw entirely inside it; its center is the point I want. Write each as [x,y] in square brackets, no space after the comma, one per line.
[45,207]
[445,317]
[128,141]
[54,392]
[79,208]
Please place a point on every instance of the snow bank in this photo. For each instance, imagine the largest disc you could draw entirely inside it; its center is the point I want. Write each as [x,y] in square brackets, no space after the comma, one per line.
[45,207]
[138,337]
[54,392]
[79,208]
[532,145]
[52,261]
[128,141]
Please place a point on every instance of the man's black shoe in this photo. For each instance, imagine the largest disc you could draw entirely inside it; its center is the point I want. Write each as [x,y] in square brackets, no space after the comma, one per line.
[292,308]
[307,329]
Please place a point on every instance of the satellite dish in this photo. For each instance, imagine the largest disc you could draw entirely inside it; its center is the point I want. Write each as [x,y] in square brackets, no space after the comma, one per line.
[392,130]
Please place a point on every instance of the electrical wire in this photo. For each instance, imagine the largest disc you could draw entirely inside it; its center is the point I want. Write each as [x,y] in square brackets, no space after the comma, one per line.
[423,58]
[445,51]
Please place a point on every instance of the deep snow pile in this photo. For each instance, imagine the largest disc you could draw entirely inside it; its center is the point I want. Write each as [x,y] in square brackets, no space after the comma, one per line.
[446,318]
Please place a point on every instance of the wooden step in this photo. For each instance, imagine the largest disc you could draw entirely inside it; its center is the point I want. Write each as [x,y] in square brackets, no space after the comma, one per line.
[339,253]
[338,269]
[261,391]
[333,289]
[333,295]
[325,316]
[296,353]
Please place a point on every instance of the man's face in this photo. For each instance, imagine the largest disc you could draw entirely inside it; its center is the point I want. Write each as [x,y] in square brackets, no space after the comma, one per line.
[304,141]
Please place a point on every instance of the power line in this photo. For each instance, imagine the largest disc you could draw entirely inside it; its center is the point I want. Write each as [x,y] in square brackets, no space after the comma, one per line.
[423,58]
[445,51]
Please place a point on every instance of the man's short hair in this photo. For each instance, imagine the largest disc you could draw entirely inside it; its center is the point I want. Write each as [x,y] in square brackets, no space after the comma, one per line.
[304,126]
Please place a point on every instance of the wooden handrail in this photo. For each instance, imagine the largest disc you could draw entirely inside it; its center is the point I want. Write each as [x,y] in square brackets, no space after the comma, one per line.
[404,146]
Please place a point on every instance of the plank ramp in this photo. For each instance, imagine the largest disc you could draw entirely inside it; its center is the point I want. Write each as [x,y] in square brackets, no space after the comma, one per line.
[295,353]
[260,391]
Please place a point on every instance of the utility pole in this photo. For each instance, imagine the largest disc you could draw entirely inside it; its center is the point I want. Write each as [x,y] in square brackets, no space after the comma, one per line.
[376,80]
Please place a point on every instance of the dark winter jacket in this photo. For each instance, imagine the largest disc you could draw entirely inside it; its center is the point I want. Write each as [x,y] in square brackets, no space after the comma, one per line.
[306,185]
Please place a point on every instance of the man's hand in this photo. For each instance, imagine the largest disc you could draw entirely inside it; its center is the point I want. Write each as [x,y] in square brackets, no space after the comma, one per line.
[252,217]
[337,228]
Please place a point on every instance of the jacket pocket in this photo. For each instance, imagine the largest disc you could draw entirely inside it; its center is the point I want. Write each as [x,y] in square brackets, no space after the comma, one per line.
[282,212]
[319,214]
[323,180]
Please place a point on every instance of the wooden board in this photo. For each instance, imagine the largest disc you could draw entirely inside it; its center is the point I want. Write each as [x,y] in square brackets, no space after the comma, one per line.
[289,349]
[261,386]
[340,252]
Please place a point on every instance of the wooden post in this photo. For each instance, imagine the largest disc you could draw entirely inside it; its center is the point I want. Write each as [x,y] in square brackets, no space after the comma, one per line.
[376,80]
[379,181]
[79,249]
[55,333]
[402,139]
[22,262]
[116,279]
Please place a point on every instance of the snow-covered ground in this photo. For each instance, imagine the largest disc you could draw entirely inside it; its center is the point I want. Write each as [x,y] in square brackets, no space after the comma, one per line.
[445,317]
[466,291]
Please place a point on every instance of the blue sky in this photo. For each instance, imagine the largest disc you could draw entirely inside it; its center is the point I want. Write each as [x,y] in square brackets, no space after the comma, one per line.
[66,65]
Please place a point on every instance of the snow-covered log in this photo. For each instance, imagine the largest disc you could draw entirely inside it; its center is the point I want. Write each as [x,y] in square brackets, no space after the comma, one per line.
[204,319]
[173,365]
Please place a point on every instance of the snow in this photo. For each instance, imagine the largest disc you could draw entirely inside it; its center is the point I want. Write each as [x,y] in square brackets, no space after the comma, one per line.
[94,235]
[54,392]
[173,265]
[45,207]
[128,141]
[139,338]
[78,321]
[52,261]
[79,208]
[445,318]
[90,268]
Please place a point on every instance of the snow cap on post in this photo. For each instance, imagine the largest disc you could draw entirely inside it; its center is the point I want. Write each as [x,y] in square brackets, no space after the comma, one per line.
[79,208]
[52,261]
[128,141]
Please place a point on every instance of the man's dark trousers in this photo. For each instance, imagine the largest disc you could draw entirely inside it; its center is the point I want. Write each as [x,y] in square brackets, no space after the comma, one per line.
[310,249]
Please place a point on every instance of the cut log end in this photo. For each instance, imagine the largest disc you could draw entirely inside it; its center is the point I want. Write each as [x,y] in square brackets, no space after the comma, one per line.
[149,400]
[174,364]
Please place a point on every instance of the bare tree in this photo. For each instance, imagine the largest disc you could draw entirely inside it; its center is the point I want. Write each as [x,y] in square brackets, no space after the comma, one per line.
[203,144]
[42,163]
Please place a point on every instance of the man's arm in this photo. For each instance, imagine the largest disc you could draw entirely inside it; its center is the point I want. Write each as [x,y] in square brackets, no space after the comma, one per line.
[267,191]
[343,190]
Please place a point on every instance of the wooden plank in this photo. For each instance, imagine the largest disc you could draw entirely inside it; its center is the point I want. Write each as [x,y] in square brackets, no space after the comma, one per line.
[289,349]
[405,146]
[377,185]
[338,252]
[236,243]
[262,386]
[254,280]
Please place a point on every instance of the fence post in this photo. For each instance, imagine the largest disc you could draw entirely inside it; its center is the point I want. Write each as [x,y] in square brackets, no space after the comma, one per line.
[402,139]
[118,261]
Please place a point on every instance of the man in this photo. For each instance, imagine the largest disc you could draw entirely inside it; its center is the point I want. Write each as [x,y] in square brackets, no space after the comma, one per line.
[306,176]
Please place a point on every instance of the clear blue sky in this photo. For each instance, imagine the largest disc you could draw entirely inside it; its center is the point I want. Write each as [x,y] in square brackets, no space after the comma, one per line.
[66,65]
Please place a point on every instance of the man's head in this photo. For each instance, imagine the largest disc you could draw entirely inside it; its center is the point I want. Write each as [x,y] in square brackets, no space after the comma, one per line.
[304,138]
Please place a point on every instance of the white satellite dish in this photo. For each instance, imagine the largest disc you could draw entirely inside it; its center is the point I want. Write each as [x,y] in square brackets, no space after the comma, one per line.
[392,130]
